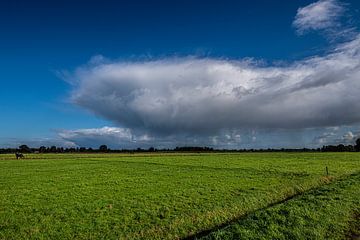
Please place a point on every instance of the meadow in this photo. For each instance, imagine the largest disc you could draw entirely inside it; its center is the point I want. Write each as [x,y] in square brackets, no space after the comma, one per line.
[175,196]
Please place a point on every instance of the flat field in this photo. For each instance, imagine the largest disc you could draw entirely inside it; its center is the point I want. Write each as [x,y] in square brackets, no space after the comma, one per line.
[174,196]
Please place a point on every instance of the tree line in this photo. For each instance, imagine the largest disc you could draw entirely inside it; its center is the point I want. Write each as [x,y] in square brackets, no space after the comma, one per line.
[106,149]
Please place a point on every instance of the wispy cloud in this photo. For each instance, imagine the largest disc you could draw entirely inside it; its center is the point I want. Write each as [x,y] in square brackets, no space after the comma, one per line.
[325,16]
[320,15]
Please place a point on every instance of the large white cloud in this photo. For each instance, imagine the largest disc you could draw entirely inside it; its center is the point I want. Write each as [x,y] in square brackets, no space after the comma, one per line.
[227,103]
[192,95]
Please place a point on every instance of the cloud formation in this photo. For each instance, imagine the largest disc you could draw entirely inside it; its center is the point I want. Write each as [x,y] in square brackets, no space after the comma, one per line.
[225,103]
[321,15]
[192,95]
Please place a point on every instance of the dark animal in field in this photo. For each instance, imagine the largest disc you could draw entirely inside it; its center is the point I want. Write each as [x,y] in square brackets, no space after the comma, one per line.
[19,155]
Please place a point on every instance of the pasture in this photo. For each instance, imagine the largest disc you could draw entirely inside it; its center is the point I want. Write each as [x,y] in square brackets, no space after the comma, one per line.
[175,196]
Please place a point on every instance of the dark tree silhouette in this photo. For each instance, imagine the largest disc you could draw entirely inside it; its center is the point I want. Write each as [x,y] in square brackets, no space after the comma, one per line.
[42,149]
[53,149]
[103,148]
[357,145]
[24,149]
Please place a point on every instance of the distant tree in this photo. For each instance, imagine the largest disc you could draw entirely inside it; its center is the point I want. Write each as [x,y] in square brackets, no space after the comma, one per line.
[103,148]
[60,149]
[349,148]
[72,150]
[42,149]
[357,145]
[341,148]
[53,149]
[151,149]
[24,149]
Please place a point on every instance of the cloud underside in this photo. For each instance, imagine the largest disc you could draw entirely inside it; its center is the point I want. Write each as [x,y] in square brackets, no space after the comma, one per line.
[116,137]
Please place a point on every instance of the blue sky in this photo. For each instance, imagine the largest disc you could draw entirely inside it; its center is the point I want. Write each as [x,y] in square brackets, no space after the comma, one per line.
[70,73]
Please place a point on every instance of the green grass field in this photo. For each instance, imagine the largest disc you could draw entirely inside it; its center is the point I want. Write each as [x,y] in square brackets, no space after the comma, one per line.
[172,196]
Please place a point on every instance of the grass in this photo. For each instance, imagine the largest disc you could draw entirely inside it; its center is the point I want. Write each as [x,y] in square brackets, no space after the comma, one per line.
[329,212]
[153,196]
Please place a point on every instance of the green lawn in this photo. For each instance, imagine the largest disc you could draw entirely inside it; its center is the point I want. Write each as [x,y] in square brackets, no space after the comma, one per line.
[151,196]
